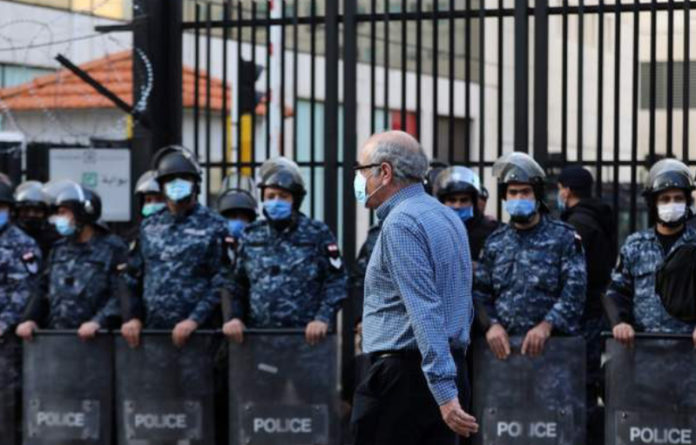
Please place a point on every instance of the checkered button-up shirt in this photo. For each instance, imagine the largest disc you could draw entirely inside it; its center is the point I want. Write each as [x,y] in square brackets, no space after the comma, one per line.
[418,286]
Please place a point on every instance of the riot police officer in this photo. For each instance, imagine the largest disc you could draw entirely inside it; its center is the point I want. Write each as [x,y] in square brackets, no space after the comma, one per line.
[237,204]
[149,194]
[531,275]
[631,300]
[31,214]
[181,250]
[289,272]
[459,188]
[79,287]
[20,256]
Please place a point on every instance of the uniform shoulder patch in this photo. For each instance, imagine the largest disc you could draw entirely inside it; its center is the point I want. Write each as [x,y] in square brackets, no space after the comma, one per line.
[334,255]
[30,262]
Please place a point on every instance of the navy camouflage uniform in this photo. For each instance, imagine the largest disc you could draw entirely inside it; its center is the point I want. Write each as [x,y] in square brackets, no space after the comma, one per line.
[288,279]
[20,257]
[526,277]
[632,287]
[81,283]
[180,260]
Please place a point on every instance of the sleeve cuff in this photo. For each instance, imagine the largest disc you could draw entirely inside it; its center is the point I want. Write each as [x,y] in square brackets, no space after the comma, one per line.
[444,392]
[196,316]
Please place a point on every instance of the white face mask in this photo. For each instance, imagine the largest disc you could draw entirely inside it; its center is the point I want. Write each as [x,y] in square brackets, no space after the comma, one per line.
[671,212]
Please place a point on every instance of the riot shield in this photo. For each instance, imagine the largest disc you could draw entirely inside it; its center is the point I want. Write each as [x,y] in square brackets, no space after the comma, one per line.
[650,391]
[10,380]
[530,401]
[282,390]
[67,389]
[164,394]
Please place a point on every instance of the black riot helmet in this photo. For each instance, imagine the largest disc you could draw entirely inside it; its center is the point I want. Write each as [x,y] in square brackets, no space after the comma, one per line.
[668,174]
[434,169]
[31,194]
[519,168]
[84,203]
[237,194]
[284,174]
[175,161]
[457,180]
[147,184]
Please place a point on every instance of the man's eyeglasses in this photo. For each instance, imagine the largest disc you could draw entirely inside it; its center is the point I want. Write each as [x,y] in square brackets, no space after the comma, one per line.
[358,167]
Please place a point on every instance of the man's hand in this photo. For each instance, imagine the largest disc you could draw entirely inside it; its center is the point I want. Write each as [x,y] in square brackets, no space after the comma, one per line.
[182,331]
[131,332]
[234,329]
[533,344]
[26,330]
[88,330]
[316,331]
[498,341]
[457,419]
[624,334]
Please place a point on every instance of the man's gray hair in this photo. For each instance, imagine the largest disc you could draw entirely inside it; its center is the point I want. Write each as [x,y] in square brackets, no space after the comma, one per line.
[403,152]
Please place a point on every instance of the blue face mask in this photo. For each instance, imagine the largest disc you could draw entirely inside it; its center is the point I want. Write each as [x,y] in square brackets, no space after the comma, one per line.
[63,225]
[4,218]
[560,203]
[520,210]
[178,189]
[236,227]
[277,209]
[152,208]
[465,213]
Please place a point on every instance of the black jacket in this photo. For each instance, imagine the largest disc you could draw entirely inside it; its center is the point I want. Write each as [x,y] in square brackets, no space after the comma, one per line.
[594,222]
[479,229]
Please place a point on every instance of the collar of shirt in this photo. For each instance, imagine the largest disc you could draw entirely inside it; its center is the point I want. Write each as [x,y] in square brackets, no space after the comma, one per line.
[403,194]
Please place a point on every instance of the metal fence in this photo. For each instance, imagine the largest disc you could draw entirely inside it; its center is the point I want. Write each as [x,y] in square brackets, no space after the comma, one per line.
[603,83]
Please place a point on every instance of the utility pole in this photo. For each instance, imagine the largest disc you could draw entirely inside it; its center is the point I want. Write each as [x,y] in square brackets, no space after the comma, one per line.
[157,79]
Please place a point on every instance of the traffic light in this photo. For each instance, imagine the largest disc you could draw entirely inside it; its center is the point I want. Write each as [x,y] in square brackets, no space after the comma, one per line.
[249,73]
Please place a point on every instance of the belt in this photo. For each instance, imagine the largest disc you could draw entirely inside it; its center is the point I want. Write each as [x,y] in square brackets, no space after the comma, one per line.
[409,354]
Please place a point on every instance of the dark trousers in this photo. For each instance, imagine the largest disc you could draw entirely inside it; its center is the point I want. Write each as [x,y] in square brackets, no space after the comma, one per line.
[393,404]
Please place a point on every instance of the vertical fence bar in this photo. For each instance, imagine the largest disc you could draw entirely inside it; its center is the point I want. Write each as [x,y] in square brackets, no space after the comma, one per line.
[349,155]
[564,84]
[240,15]
[436,59]
[467,83]
[268,93]
[670,74]
[501,22]
[653,80]
[581,84]
[404,41]
[521,75]
[687,79]
[634,117]
[208,109]
[387,120]
[600,101]
[617,108]
[225,106]
[282,77]
[541,80]
[253,112]
[482,94]
[373,63]
[295,79]
[450,48]
[419,67]
[331,172]
[312,106]
[197,69]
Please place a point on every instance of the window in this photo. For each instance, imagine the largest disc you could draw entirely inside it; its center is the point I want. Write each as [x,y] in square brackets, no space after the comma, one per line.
[113,9]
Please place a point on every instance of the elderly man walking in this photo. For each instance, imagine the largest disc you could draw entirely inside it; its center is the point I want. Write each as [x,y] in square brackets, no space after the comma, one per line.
[418,308]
